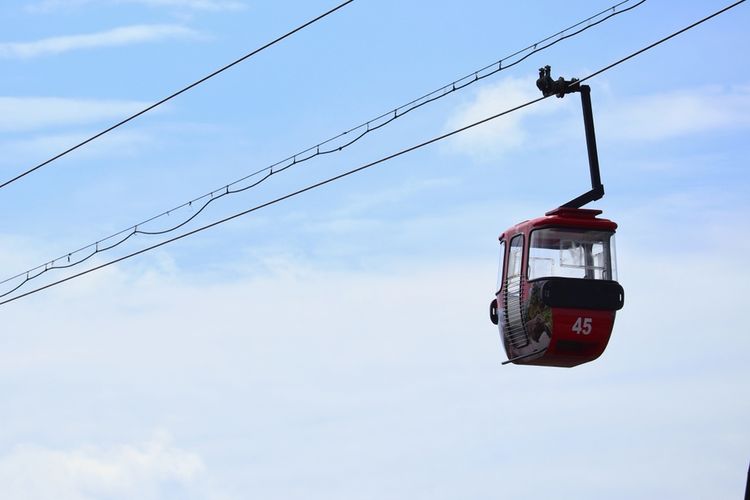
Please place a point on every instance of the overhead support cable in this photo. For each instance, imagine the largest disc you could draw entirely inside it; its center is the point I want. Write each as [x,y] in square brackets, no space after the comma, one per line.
[332,145]
[365,166]
[659,42]
[281,198]
[175,94]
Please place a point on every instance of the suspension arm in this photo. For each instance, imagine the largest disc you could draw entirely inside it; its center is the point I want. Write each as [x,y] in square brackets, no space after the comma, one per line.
[560,88]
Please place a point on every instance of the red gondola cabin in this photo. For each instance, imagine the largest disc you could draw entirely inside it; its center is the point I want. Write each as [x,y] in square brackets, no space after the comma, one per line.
[558,291]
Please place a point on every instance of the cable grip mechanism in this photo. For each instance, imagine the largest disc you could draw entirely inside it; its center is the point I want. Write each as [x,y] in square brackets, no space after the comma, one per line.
[559,87]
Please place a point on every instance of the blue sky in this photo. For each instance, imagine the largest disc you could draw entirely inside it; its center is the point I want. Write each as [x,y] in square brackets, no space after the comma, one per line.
[338,345]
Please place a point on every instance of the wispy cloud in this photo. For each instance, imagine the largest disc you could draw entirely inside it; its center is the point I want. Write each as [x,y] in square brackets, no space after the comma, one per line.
[504,134]
[34,126]
[362,202]
[21,114]
[126,143]
[199,5]
[126,471]
[386,357]
[679,113]
[126,35]
[653,117]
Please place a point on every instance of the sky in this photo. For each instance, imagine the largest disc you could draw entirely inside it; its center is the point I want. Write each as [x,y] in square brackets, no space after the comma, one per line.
[337,345]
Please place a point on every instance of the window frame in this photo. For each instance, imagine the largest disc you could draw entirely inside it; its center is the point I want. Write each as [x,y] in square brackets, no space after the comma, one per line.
[501,265]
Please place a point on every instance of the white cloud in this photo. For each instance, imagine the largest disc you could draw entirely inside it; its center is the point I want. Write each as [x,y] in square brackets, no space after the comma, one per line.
[125,35]
[200,5]
[676,114]
[142,470]
[503,134]
[59,123]
[364,202]
[28,150]
[654,117]
[21,114]
[310,383]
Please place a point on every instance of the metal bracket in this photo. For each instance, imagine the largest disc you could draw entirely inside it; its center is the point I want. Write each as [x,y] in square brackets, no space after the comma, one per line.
[560,88]
[524,356]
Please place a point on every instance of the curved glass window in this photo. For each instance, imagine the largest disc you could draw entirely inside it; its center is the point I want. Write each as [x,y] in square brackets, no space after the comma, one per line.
[515,254]
[572,253]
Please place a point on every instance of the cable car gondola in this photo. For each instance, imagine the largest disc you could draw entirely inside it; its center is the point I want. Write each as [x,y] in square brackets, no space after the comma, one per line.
[557,292]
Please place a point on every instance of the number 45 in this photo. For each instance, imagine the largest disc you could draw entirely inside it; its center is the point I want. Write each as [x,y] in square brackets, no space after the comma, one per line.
[582,326]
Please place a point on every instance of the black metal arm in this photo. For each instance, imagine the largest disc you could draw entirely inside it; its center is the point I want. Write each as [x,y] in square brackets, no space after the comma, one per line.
[560,88]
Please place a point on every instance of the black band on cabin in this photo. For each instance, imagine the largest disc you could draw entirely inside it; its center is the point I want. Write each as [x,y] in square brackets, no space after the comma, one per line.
[583,294]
